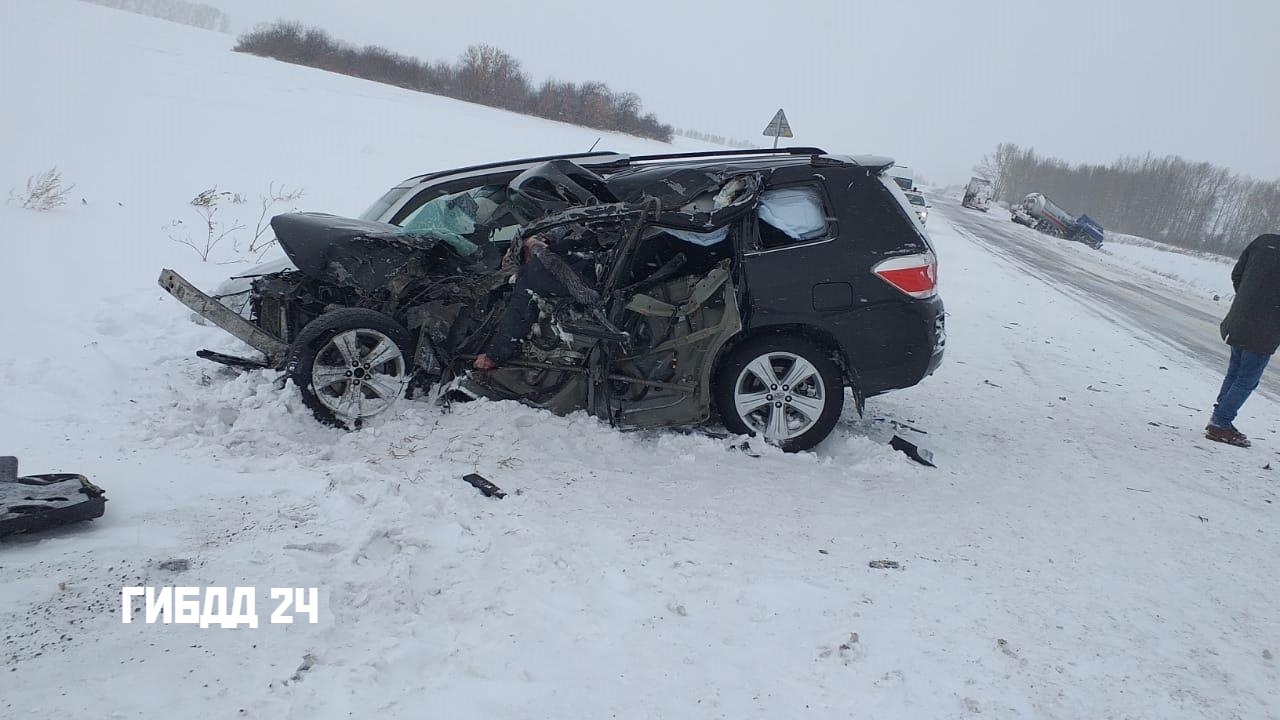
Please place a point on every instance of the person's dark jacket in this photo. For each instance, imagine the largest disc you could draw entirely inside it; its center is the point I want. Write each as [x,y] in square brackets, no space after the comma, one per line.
[1253,323]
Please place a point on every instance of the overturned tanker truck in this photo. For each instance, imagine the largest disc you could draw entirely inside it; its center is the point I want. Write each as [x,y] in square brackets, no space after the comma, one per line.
[654,325]
[1039,212]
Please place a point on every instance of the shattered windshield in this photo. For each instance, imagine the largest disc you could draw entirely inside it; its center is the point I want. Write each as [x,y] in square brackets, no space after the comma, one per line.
[461,219]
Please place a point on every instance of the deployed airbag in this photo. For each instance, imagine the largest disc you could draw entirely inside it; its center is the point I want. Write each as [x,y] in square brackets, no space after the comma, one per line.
[798,212]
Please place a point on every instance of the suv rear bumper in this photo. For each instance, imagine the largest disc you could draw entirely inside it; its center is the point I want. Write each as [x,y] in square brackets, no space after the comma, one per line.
[896,346]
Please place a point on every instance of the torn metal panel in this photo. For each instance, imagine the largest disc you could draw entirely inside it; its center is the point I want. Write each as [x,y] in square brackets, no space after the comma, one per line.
[692,199]
[37,502]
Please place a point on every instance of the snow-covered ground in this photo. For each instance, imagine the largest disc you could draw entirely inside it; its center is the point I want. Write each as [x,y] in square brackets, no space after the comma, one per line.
[1079,552]
[1206,275]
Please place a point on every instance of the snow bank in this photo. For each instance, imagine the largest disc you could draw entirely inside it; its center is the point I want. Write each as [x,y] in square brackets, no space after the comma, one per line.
[1206,275]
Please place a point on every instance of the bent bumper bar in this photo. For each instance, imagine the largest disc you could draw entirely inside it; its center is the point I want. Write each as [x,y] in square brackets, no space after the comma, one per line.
[276,350]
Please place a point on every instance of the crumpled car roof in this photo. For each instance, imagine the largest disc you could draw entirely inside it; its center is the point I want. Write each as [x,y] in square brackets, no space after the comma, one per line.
[690,197]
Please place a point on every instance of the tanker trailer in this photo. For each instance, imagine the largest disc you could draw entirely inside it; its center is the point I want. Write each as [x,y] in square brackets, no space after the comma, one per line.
[1051,219]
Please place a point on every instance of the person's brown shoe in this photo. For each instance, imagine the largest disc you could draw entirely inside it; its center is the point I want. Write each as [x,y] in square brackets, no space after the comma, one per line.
[1230,436]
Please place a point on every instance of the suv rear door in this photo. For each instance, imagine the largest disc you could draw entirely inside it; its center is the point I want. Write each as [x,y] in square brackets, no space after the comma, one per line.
[828,282]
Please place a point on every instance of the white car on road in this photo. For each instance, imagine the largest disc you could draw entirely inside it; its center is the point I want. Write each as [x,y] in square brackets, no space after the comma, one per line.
[920,205]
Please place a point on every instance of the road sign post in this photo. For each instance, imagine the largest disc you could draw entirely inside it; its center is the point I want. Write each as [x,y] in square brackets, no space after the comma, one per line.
[778,127]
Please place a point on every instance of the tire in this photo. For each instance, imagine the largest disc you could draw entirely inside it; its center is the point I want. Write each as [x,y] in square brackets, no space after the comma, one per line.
[750,406]
[366,358]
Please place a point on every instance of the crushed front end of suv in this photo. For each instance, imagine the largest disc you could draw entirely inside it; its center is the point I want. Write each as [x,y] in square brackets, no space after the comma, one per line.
[752,286]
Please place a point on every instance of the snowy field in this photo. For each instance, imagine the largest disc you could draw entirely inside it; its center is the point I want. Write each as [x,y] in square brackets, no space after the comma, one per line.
[1080,552]
[1204,274]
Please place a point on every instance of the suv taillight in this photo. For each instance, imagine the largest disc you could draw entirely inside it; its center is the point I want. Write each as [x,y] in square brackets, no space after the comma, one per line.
[914,275]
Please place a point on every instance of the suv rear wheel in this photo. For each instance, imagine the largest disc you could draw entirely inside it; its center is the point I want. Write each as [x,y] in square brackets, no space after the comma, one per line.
[784,388]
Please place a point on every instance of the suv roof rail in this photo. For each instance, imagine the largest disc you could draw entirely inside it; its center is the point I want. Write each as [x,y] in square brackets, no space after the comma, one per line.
[730,153]
[608,158]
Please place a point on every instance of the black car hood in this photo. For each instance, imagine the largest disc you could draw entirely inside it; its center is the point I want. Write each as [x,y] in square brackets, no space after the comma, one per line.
[360,254]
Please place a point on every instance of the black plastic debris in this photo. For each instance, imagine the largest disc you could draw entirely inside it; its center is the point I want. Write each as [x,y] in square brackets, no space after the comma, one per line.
[37,502]
[486,488]
[913,451]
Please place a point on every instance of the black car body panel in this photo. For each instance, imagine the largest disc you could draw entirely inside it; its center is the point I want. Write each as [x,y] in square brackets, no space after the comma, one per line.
[829,285]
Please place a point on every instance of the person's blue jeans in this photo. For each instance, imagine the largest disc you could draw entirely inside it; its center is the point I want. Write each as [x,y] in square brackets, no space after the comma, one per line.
[1244,372]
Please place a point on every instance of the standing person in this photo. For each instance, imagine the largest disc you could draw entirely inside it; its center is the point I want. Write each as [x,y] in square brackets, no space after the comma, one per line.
[1252,329]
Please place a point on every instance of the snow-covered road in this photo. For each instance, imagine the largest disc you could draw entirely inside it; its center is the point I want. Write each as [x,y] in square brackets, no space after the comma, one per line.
[1150,305]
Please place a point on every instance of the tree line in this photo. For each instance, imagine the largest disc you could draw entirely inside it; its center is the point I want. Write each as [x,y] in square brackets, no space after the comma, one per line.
[179,11]
[482,74]
[1194,205]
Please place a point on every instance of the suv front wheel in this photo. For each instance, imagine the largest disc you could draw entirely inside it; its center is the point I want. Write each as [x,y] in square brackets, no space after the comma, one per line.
[781,387]
[351,364]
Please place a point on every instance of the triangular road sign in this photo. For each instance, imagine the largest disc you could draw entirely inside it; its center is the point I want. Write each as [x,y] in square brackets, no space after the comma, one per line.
[778,126]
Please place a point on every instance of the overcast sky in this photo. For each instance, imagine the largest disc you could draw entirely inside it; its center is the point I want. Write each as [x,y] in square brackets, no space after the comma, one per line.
[934,83]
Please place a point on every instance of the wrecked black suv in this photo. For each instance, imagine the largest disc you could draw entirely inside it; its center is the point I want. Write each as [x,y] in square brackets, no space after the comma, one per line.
[752,285]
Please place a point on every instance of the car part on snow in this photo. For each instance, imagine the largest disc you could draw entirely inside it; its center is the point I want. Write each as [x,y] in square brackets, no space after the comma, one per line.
[485,487]
[351,365]
[782,387]
[37,502]
[911,450]
[233,360]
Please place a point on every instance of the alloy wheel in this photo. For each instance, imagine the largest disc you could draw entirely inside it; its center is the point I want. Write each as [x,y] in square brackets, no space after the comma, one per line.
[358,374]
[779,395]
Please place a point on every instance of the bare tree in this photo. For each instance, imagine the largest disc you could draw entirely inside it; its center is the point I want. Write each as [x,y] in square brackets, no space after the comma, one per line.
[268,202]
[206,205]
[483,74]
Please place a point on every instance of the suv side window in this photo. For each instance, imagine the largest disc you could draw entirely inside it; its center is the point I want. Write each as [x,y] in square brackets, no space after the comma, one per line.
[791,215]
